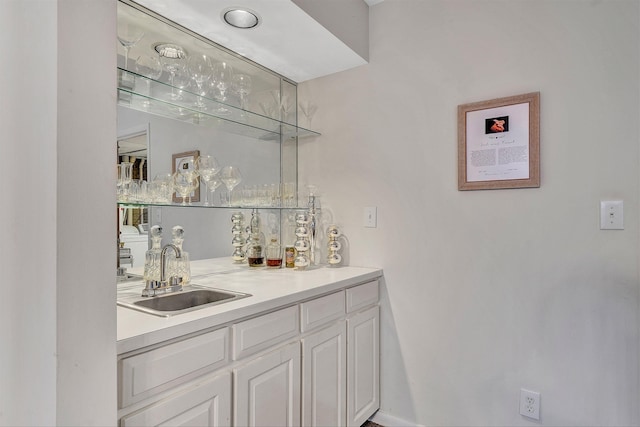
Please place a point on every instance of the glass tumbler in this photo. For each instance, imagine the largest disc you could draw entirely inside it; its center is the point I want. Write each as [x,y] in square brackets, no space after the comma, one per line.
[274,255]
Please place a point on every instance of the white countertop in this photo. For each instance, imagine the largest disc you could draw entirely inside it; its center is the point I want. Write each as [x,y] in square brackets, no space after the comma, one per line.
[269,289]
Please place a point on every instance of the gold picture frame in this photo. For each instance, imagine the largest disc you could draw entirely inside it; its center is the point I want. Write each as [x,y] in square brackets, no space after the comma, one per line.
[499,143]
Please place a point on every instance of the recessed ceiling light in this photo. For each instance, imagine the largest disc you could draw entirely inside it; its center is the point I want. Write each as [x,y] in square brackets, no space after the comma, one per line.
[241,18]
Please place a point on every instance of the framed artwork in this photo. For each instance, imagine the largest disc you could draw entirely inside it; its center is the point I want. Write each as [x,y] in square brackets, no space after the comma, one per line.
[499,143]
[185,163]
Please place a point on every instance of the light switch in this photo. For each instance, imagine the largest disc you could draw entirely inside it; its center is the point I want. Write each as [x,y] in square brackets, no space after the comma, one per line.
[370,217]
[611,215]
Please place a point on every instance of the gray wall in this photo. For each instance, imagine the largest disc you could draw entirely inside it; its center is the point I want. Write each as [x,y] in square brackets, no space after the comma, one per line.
[487,292]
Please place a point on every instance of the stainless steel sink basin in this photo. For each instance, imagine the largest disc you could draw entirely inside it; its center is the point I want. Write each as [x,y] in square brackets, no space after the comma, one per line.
[182,302]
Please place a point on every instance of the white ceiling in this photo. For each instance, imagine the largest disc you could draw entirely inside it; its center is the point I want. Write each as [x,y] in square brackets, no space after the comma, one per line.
[287,41]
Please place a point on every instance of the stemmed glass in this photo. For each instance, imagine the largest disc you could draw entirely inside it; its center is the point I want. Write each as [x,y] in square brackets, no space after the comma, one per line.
[188,177]
[242,85]
[172,58]
[184,184]
[128,36]
[181,81]
[222,76]
[213,184]
[149,66]
[230,177]
[207,166]
[283,105]
[199,67]
[308,110]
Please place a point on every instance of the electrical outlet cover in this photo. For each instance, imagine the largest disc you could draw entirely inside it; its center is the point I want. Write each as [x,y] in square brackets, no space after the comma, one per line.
[530,404]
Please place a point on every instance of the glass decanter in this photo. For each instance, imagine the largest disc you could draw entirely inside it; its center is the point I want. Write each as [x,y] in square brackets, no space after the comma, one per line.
[179,267]
[152,256]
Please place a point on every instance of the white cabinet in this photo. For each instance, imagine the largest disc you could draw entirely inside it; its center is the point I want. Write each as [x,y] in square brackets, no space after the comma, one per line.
[267,389]
[147,374]
[206,403]
[324,381]
[363,355]
[264,331]
[314,363]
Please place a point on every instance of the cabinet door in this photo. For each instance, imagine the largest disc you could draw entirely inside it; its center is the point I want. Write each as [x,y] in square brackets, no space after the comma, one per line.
[164,368]
[267,389]
[363,346]
[324,381]
[207,403]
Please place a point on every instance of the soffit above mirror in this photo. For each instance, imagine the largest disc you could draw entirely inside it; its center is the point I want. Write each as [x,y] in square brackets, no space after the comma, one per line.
[287,40]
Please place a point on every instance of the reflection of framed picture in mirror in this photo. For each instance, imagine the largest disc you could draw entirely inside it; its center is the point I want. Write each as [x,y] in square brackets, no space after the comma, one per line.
[499,143]
[185,163]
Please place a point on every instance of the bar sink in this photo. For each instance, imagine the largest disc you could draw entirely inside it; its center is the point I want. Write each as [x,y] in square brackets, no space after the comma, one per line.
[181,302]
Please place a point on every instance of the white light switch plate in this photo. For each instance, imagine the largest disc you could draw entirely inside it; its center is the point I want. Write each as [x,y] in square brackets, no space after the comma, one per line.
[611,215]
[370,219]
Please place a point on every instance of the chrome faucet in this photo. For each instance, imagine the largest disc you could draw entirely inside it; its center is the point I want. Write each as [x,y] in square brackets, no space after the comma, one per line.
[155,287]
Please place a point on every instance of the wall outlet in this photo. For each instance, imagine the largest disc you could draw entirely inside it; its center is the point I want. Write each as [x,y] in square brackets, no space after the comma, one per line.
[530,404]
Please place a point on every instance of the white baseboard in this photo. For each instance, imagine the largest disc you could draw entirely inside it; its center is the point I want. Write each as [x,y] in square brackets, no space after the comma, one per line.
[388,420]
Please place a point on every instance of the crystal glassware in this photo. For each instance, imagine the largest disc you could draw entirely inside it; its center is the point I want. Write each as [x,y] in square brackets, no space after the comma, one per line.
[230,177]
[185,184]
[221,79]
[125,171]
[213,184]
[172,58]
[308,110]
[207,167]
[188,168]
[242,85]
[162,188]
[128,36]
[148,66]
[200,68]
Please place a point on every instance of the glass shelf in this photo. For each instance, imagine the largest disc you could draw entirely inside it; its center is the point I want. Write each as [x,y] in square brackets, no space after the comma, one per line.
[139,205]
[155,97]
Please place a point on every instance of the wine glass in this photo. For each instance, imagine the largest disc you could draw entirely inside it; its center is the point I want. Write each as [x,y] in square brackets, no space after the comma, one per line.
[222,76]
[172,58]
[308,110]
[187,166]
[207,166]
[125,175]
[128,36]
[213,184]
[181,81]
[242,86]
[230,177]
[184,185]
[283,104]
[148,66]
[199,67]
